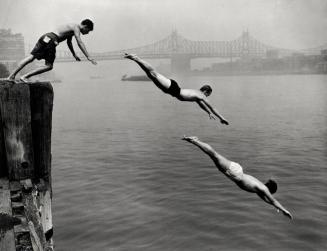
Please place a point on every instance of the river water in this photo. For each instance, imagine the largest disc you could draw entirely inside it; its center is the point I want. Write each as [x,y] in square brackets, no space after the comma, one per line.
[123,179]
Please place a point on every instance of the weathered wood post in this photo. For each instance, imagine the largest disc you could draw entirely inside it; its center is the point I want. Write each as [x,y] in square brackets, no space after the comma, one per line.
[25,162]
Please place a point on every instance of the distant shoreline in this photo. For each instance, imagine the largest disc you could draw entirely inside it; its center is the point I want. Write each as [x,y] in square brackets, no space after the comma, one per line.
[135,78]
[208,73]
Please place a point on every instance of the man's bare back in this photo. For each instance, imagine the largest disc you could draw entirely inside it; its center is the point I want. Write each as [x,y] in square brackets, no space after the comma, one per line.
[45,48]
[65,31]
[192,95]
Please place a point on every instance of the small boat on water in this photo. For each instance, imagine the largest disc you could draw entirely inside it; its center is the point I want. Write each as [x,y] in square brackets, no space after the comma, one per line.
[135,78]
[56,81]
[96,77]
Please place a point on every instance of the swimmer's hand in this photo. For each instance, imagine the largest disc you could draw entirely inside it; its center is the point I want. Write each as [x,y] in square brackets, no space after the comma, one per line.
[190,138]
[286,213]
[211,116]
[224,122]
[77,58]
[92,61]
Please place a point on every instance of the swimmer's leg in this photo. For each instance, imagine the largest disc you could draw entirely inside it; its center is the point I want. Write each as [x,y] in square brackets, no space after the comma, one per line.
[21,65]
[161,81]
[47,67]
[219,160]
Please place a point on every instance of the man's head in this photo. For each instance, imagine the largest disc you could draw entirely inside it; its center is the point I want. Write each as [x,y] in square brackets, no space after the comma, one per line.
[86,26]
[206,89]
[272,186]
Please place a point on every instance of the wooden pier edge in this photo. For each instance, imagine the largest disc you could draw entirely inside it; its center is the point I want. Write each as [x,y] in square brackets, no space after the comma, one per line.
[25,165]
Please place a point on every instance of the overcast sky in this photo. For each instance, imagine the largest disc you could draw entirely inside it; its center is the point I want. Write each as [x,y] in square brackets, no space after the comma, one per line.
[121,24]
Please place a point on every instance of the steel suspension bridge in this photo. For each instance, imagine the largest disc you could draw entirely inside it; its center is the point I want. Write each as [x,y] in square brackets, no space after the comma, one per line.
[176,45]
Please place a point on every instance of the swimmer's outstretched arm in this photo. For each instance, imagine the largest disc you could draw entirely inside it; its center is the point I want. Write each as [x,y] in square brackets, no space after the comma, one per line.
[81,45]
[267,197]
[71,48]
[206,109]
[218,159]
[214,111]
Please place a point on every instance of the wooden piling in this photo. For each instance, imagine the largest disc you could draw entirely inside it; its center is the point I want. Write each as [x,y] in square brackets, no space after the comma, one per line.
[17,132]
[41,114]
[7,241]
[25,163]
[3,167]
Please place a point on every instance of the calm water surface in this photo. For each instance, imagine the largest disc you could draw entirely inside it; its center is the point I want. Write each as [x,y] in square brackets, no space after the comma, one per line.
[123,179]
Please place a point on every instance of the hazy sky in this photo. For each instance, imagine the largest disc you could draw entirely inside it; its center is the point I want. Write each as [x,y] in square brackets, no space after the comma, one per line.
[121,24]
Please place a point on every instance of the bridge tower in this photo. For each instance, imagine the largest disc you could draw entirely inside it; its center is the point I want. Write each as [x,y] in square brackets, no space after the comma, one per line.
[179,61]
[245,45]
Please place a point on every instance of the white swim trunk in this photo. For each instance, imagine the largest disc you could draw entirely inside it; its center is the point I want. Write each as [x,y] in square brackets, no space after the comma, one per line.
[235,171]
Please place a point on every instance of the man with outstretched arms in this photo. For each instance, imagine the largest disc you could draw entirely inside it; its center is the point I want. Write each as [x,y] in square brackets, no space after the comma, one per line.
[45,48]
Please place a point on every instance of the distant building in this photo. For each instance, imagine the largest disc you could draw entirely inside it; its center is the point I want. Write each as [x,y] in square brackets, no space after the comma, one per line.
[298,55]
[12,46]
[322,66]
[272,54]
[324,54]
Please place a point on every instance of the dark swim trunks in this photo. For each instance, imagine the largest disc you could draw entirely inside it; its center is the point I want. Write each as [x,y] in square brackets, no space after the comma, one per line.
[45,47]
[174,89]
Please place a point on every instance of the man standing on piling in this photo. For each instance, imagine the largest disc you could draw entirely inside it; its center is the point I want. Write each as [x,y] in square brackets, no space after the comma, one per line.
[45,48]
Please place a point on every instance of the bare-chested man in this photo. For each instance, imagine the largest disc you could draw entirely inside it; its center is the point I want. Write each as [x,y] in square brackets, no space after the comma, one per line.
[234,171]
[171,87]
[45,47]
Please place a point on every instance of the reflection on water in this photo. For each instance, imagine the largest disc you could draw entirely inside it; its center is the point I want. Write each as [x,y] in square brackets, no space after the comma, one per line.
[123,179]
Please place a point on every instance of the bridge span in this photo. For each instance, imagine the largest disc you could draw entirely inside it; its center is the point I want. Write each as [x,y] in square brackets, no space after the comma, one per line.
[181,50]
[177,44]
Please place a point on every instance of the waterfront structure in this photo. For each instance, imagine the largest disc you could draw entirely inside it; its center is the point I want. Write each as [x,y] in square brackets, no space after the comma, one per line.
[12,48]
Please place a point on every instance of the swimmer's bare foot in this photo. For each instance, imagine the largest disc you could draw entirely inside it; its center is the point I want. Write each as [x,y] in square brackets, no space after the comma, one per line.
[190,138]
[130,56]
[23,79]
